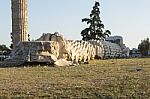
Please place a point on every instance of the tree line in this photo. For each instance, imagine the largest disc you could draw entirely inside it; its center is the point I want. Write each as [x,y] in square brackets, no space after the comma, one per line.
[144,47]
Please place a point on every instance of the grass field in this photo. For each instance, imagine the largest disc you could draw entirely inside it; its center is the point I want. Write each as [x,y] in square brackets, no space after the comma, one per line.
[101,79]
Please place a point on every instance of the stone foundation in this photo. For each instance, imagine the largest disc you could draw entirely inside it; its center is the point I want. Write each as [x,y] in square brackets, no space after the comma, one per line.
[30,52]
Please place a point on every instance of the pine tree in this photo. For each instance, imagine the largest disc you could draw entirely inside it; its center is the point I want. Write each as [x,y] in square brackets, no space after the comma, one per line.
[95,29]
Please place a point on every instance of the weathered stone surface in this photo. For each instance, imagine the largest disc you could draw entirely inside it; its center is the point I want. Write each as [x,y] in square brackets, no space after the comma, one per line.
[19,21]
[54,48]
[79,51]
[63,62]
[119,40]
[75,51]
[35,51]
[56,37]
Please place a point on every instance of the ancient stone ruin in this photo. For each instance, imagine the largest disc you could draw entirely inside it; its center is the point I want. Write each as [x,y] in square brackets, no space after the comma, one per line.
[19,21]
[53,48]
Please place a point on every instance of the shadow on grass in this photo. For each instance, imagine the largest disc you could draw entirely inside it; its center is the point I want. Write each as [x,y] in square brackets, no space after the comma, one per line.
[27,64]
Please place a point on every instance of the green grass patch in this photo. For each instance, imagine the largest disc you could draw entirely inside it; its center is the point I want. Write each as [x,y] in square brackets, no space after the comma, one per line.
[102,79]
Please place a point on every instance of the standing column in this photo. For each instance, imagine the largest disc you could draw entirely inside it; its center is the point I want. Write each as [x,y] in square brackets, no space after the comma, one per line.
[19,21]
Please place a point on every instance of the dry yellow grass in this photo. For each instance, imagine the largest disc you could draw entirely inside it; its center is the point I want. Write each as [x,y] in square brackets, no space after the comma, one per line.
[102,79]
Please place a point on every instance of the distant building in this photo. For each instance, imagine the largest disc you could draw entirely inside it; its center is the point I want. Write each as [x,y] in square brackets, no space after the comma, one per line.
[119,40]
[115,39]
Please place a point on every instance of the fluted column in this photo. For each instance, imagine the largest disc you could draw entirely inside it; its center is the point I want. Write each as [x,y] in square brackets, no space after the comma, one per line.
[19,21]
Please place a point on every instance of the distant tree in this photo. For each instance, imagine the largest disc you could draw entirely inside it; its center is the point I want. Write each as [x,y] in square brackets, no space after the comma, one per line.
[144,47]
[5,49]
[95,29]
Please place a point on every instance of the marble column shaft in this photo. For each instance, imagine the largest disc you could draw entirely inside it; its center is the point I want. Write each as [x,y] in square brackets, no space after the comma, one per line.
[19,21]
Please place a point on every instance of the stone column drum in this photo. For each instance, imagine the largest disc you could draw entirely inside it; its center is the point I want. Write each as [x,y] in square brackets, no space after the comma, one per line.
[19,21]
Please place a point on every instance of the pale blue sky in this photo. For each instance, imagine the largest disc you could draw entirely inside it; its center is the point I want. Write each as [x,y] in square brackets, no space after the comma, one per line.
[127,18]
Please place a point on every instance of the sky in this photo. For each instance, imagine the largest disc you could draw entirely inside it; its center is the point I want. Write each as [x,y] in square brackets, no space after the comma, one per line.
[127,18]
